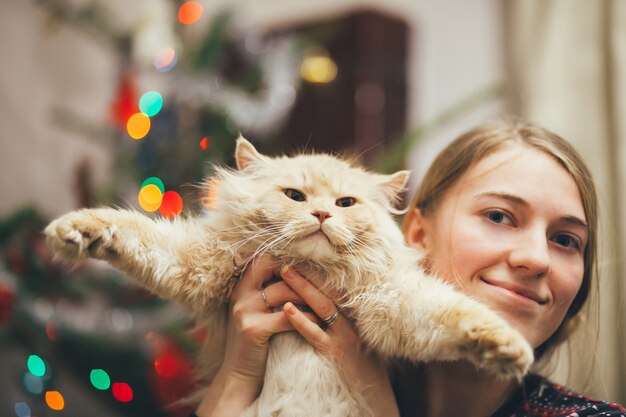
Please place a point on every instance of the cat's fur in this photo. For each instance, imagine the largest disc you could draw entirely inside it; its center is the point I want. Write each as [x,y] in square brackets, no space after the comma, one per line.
[398,309]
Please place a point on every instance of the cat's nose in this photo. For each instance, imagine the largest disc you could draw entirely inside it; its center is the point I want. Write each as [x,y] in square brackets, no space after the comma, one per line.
[321,215]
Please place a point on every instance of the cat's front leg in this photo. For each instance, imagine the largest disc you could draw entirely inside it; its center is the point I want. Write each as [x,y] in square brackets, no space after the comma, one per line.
[179,260]
[422,319]
[84,233]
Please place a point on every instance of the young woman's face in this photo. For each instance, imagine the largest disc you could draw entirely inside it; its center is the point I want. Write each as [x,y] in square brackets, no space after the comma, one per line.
[511,233]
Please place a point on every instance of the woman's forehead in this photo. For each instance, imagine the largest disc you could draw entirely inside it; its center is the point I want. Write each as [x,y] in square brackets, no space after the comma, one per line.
[524,172]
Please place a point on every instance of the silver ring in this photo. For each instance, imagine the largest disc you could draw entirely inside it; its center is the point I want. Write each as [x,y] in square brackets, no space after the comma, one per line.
[264,297]
[328,321]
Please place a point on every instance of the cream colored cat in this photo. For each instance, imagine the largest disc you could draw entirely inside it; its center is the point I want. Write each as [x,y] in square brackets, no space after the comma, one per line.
[398,310]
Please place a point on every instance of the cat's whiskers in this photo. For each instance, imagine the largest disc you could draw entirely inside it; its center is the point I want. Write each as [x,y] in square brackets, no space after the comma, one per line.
[257,234]
[241,228]
[267,244]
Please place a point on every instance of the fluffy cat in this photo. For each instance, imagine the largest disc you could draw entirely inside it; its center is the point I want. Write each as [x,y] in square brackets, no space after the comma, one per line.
[398,309]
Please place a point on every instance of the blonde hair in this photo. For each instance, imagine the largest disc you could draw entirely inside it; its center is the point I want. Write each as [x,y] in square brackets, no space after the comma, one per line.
[474,145]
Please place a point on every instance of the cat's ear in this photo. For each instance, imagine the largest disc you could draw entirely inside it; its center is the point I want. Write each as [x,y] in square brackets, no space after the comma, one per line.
[392,187]
[246,153]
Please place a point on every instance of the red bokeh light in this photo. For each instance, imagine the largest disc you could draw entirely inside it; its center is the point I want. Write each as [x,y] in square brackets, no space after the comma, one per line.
[122,392]
[171,205]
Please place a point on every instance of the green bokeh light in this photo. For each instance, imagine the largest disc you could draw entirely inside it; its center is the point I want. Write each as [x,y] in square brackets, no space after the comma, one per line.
[36,365]
[100,379]
[156,181]
[151,103]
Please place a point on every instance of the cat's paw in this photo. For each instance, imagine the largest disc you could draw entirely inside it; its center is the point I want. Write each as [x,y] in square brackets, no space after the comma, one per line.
[498,348]
[80,234]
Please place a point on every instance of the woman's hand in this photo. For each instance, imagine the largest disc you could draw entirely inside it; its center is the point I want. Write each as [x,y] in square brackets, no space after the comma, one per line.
[251,323]
[339,342]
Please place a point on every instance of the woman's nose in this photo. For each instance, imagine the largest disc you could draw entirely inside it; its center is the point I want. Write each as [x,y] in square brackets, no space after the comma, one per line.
[531,254]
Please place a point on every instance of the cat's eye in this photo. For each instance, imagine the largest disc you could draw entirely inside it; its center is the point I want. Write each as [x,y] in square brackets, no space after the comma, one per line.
[345,201]
[294,194]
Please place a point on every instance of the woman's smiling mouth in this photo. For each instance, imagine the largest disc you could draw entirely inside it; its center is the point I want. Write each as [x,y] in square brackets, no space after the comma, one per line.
[517,290]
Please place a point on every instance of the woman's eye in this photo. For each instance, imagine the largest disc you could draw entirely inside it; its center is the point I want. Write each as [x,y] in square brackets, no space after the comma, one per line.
[294,194]
[566,241]
[345,201]
[499,217]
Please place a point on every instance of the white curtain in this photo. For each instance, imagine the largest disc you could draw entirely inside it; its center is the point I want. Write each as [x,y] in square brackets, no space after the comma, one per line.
[566,61]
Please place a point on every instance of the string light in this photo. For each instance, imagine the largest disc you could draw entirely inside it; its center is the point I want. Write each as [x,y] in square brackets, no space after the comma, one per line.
[51,331]
[171,205]
[36,365]
[190,12]
[150,198]
[155,181]
[151,103]
[165,60]
[204,143]
[212,193]
[138,126]
[33,384]
[122,392]
[55,400]
[22,410]
[318,67]
[100,379]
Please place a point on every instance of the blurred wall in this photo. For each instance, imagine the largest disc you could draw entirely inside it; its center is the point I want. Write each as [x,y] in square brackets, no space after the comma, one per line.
[455,50]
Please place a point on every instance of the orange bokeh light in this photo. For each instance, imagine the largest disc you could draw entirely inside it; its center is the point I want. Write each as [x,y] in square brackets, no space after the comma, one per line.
[190,12]
[55,400]
[138,125]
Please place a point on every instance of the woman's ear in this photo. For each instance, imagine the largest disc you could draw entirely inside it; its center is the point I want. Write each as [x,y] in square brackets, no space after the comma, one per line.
[415,230]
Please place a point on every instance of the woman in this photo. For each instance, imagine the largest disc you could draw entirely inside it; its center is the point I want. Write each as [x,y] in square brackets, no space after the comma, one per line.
[508,214]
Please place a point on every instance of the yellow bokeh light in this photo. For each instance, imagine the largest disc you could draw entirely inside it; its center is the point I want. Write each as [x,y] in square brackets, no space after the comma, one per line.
[318,69]
[138,126]
[150,198]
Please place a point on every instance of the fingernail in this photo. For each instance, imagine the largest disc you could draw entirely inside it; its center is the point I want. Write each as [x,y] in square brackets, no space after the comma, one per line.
[286,271]
[289,308]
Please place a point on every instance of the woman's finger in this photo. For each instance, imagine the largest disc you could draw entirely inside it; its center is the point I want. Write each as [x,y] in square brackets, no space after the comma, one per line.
[314,298]
[307,328]
[278,294]
[257,273]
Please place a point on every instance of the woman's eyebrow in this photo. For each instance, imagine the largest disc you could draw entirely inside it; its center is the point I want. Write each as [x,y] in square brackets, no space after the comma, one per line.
[575,221]
[518,201]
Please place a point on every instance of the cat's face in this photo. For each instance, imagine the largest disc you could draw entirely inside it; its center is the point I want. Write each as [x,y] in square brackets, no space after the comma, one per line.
[316,206]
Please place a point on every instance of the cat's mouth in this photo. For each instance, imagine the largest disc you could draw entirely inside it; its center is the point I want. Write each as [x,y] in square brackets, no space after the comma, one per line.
[319,234]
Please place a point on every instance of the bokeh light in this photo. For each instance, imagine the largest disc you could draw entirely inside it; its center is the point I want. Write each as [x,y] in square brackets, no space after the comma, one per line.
[100,379]
[154,181]
[138,126]
[212,193]
[318,67]
[171,205]
[190,12]
[22,410]
[51,331]
[151,103]
[150,198]
[165,60]
[204,143]
[122,392]
[33,384]
[36,365]
[55,400]
[167,365]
